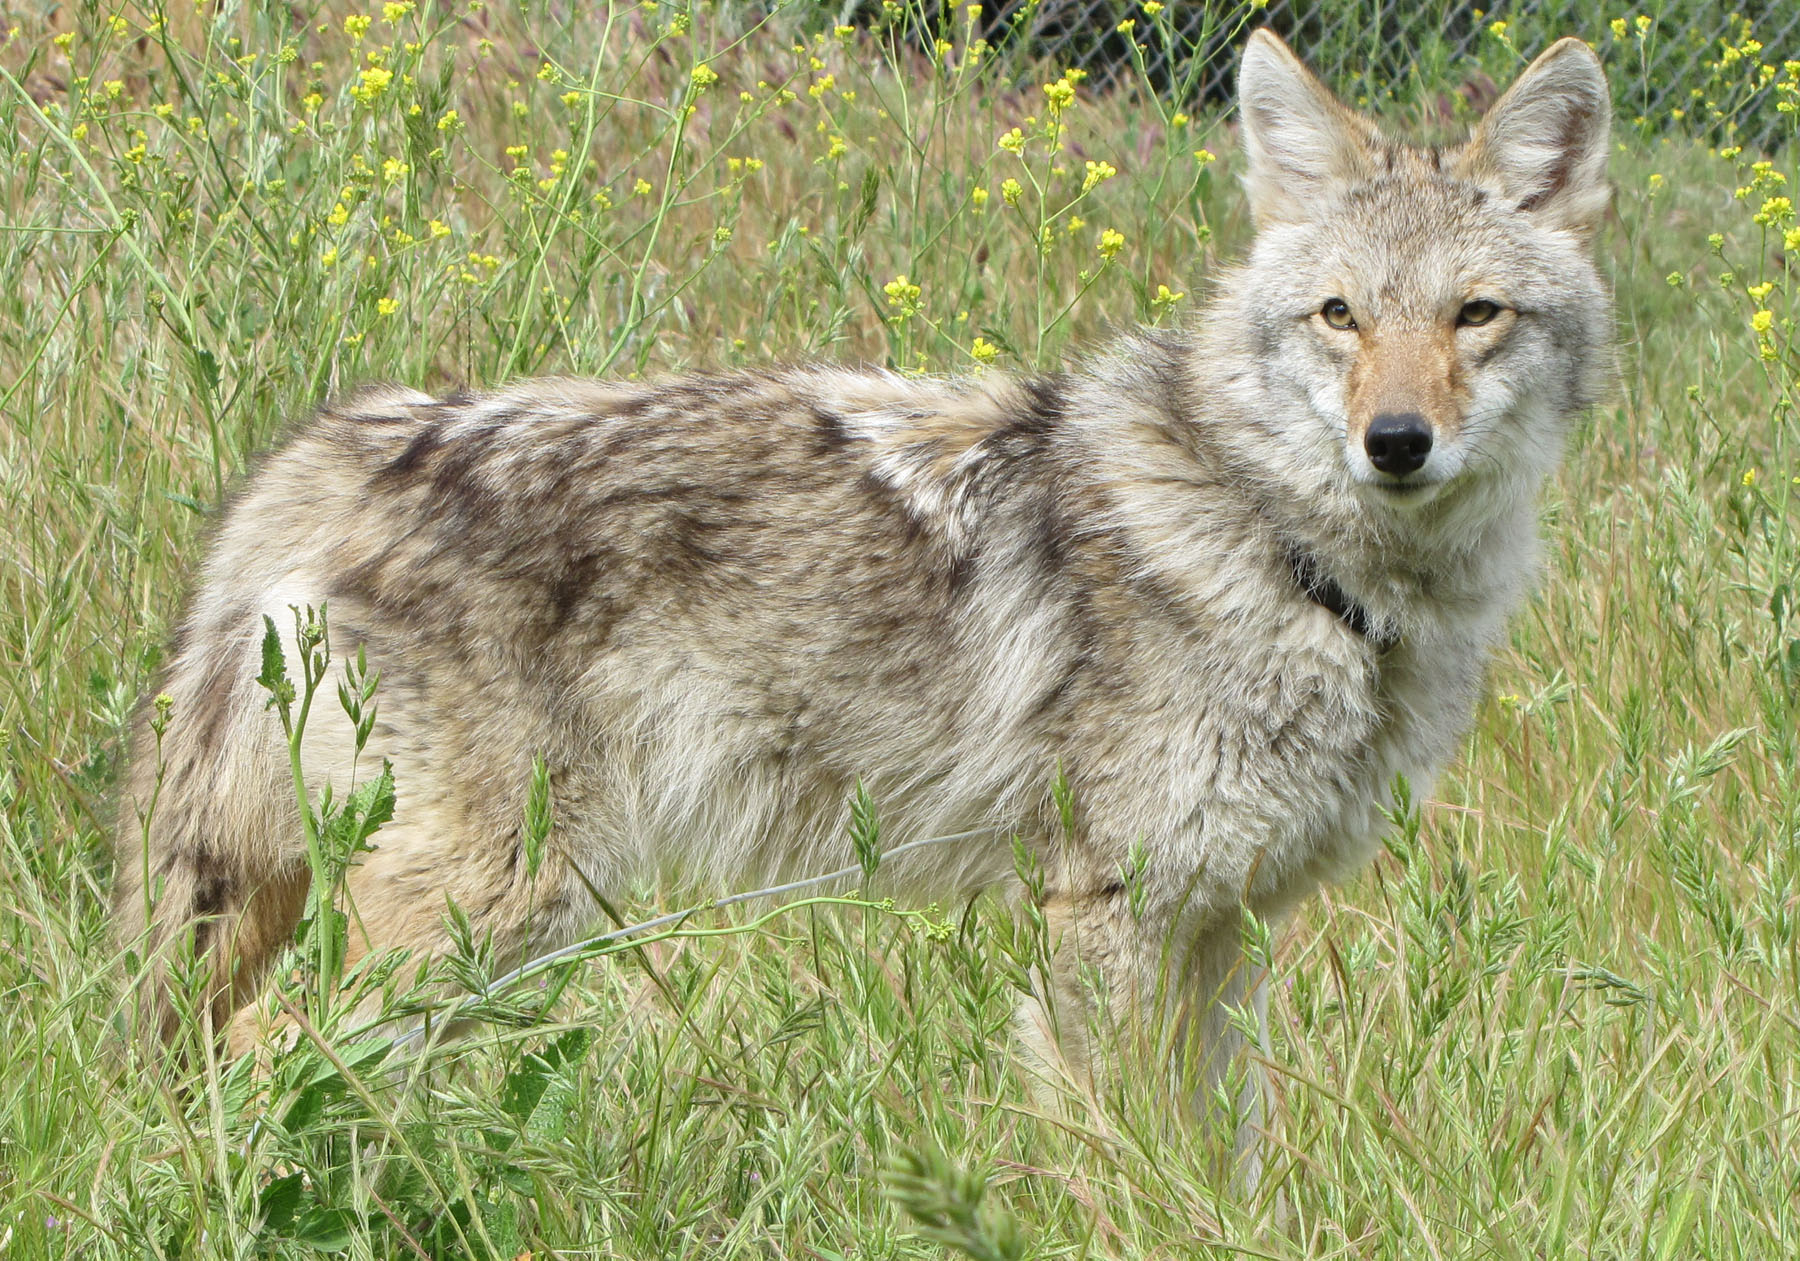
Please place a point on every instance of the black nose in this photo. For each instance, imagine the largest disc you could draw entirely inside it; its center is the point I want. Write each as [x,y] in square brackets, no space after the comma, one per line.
[1398,442]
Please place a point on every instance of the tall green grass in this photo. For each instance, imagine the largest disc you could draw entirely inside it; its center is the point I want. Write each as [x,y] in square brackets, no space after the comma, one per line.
[1558,1016]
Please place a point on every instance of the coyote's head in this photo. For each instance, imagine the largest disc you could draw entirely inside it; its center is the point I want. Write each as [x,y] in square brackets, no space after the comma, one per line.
[1437,313]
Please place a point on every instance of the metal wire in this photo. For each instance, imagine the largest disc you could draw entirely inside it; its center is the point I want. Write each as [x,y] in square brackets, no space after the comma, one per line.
[1664,74]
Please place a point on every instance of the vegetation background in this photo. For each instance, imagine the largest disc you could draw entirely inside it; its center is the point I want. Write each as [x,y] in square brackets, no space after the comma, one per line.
[1559,1016]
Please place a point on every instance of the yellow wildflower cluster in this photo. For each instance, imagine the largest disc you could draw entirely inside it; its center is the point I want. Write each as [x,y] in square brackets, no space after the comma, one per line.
[1774,211]
[903,296]
[371,83]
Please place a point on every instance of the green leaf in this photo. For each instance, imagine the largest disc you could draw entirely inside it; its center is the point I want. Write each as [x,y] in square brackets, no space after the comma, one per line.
[274,662]
[206,367]
[324,1229]
[279,1202]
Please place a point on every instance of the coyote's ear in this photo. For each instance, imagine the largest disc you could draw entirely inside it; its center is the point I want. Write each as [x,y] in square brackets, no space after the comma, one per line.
[1297,136]
[1544,144]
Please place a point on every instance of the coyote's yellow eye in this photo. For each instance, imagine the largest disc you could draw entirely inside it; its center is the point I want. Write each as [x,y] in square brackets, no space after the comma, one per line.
[1337,313]
[1476,313]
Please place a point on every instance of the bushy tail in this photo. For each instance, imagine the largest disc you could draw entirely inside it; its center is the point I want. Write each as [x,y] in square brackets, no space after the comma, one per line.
[208,878]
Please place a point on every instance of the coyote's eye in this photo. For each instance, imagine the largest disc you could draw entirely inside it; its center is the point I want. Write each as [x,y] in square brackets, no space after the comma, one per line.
[1337,313]
[1476,313]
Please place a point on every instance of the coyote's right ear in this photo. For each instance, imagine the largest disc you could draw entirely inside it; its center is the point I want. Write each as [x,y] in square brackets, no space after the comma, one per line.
[1297,136]
[1544,144]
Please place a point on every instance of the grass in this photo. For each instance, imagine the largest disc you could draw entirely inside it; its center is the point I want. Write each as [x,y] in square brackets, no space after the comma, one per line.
[1560,1015]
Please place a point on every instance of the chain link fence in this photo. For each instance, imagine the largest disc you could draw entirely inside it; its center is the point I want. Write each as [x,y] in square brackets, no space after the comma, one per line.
[1680,64]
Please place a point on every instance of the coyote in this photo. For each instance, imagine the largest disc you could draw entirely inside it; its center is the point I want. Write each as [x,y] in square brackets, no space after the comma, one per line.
[1228,583]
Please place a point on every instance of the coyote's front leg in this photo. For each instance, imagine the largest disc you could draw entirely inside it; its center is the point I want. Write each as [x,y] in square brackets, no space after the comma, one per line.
[1138,996]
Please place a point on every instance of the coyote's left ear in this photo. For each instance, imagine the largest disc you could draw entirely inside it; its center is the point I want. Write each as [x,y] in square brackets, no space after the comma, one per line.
[1298,138]
[1544,144]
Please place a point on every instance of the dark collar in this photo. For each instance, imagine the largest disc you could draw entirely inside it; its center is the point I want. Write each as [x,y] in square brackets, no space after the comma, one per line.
[1322,589]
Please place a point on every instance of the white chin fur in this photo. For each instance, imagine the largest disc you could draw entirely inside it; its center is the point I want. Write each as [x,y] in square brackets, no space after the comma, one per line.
[1401,496]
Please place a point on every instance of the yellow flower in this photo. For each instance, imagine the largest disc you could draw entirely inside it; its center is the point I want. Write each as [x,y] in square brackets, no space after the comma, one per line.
[387,306]
[1010,191]
[438,227]
[1165,298]
[392,12]
[1060,95]
[357,25]
[1618,28]
[1759,292]
[1790,240]
[1762,320]
[1205,157]
[1152,7]
[371,83]
[641,188]
[1111,243]
[1775,210]
[1013,141]
[1749,478]
[979,198]
[902,295]
[983,351]
[704,76]
[1097,172]
[823,84]
[339,216]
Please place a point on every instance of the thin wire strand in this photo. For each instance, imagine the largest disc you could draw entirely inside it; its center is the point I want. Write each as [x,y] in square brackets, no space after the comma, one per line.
[544,961]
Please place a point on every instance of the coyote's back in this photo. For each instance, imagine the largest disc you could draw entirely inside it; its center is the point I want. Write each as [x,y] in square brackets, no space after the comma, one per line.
[1228,583]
